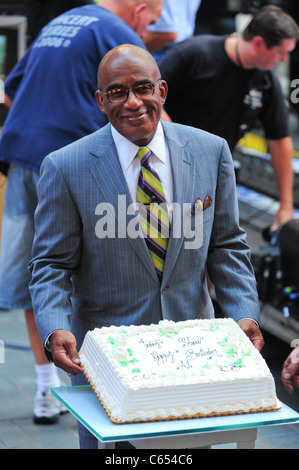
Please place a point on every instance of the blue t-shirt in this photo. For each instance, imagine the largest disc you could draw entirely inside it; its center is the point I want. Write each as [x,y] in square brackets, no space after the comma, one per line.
[53,85]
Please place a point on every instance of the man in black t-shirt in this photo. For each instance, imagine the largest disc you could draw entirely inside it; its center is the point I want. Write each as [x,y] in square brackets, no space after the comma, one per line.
[225,85]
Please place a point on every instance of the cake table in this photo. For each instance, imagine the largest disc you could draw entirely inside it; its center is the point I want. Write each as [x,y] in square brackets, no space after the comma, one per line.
[82,402]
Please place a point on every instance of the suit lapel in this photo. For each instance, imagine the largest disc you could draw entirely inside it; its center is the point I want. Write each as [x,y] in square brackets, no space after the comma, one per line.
[108,175]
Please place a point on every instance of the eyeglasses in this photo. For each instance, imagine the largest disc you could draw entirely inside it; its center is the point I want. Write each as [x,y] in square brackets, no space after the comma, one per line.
[119,95]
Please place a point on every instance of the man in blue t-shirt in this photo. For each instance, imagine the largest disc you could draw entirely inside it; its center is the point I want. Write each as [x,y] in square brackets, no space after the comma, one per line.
[51,92]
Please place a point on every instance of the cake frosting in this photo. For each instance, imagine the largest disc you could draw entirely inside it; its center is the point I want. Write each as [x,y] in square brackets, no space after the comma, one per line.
[176,370]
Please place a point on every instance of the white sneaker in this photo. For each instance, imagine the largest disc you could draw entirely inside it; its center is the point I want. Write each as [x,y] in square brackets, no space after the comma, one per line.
[46,408]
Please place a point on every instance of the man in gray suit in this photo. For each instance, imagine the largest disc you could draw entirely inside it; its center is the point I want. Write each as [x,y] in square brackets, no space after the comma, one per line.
[91,266]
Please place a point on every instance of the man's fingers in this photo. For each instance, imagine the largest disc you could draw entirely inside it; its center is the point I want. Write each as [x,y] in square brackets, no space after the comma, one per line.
[64,352]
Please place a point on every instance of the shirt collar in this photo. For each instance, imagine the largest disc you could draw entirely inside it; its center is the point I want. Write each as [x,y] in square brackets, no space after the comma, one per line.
[127,150]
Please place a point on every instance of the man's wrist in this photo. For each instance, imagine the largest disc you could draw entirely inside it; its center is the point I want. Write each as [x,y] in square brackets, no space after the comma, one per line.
[255,321]
[47,344]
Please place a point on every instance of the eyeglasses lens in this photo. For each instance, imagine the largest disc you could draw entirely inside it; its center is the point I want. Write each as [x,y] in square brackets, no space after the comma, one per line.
[141,91]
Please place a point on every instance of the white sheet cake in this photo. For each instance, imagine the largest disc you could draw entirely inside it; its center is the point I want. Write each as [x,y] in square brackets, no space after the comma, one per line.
[176,370]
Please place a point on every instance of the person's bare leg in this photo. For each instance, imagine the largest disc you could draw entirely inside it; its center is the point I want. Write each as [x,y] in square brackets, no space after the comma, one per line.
[34,338]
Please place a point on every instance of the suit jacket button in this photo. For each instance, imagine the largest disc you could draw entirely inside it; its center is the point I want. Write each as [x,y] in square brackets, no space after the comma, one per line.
[164,289]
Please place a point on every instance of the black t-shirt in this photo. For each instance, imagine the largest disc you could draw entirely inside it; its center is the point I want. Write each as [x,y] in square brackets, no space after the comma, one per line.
[208,91]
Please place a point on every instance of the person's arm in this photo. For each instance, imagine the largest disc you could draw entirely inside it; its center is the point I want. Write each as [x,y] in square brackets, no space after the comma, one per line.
[156,40]
[7,101]
[55,259]
[282,155]
[165,30]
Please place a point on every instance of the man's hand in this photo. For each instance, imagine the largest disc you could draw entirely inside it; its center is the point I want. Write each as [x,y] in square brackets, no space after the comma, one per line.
[64,352]
[253,332]
[283,215]
[290,371]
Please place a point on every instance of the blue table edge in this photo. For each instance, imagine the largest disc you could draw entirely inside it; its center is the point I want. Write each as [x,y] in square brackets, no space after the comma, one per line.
[152,434]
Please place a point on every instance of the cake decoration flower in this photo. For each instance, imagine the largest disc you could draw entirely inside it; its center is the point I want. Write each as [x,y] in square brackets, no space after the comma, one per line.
[168,328]
[214,327]
[120,351]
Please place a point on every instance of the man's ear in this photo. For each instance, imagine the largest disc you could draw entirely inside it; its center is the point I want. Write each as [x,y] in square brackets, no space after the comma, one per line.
[136,12]
[100,101]
[259,44]
[163,89]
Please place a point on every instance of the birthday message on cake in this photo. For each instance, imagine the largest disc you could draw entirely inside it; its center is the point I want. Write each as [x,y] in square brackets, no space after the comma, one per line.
[183,352]
[172,352]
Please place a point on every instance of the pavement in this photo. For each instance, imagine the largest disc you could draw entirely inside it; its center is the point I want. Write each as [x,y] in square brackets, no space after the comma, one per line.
[17,388]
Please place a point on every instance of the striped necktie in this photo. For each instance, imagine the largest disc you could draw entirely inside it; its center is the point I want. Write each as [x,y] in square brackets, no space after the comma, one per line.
[153,211]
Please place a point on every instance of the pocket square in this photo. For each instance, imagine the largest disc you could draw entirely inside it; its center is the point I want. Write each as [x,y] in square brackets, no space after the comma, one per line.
[200,206]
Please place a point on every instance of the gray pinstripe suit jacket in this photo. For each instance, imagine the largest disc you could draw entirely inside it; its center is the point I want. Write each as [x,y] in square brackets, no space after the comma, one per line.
[96,282]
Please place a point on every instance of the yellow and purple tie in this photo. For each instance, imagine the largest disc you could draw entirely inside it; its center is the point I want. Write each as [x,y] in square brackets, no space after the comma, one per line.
[153,211]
